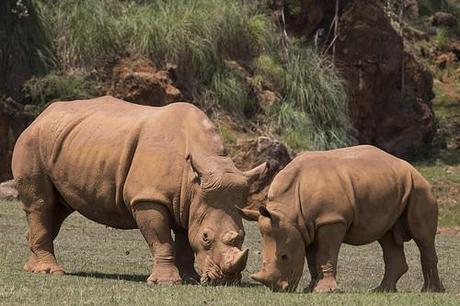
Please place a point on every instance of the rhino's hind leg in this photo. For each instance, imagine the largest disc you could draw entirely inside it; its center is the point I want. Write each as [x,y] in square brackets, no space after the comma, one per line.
[185,258]
[329,238]
[422,221]
[44,217]
[429,259]
[395,262]
[154,223]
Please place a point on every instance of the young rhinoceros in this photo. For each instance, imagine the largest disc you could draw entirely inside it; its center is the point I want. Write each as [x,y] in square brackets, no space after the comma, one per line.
[132,166]
[355,195]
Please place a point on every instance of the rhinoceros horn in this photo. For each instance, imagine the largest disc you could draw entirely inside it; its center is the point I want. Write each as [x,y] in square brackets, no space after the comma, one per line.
[256,173]
[238,263]
[261,277]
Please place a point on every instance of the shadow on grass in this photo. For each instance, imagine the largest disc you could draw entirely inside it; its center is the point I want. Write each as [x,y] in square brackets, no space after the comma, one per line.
[248,285]
[126,277]
[140,278]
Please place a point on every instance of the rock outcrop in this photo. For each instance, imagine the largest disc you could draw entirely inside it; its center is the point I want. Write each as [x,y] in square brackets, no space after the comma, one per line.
[390,93]
[138,81]
[443,19]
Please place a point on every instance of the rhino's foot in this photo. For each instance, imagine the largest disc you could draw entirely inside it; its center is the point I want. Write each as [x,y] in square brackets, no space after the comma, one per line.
[35,266]
[165,276]
[384,289]
[326,285]
[310,286]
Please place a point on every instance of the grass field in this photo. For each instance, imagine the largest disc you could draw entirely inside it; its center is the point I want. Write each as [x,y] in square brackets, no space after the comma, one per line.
[108,266]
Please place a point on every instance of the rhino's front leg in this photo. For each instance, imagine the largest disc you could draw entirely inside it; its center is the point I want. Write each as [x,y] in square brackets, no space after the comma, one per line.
[328,238]
[185,257]
[310,252]
[154,223]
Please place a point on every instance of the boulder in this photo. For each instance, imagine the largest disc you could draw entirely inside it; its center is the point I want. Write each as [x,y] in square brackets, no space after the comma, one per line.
[443,19]
[138,81]
[8,190]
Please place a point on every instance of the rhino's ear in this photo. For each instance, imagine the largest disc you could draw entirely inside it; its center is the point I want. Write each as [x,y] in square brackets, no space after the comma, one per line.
[248,214]
[256,173]
[273,216]
[197,166]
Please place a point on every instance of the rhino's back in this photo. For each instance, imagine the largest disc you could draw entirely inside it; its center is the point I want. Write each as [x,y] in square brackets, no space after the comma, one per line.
[362,186]
[87,149]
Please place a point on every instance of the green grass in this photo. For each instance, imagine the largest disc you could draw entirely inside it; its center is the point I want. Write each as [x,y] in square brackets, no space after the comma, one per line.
[108,266]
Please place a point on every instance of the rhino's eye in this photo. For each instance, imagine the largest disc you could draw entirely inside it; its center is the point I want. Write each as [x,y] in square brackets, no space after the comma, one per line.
[284,257]
[206,240]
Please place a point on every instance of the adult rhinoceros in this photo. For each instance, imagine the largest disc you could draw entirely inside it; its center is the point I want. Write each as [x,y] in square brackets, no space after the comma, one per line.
[131,166]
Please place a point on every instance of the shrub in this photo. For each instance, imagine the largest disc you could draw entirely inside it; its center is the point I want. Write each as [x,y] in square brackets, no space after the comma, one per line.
[40,91]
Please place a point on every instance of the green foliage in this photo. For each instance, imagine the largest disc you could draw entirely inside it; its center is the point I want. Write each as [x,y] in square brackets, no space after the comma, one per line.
[58,86]
[313,85]
[24,45]
[442,37]
[313,113]
[228,91]
[269,70]
[199,36]
[296,128]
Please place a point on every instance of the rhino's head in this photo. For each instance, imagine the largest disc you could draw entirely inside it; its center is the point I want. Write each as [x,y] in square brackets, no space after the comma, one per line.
[216,230]
[283,250]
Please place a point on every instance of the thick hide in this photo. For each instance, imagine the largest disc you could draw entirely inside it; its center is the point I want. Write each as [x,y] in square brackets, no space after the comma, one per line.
[355,195]
[131,166]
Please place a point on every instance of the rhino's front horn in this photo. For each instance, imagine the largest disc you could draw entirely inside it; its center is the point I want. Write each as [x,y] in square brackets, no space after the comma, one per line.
[239,262]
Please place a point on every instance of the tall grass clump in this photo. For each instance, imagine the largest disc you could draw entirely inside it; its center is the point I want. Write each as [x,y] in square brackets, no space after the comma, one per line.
[25,48]
[312,85]
[83,32]
[313,113]
[228,91]
[442,37]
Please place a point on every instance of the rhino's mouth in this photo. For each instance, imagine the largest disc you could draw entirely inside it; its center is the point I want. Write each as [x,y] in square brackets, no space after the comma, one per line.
[212,275]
